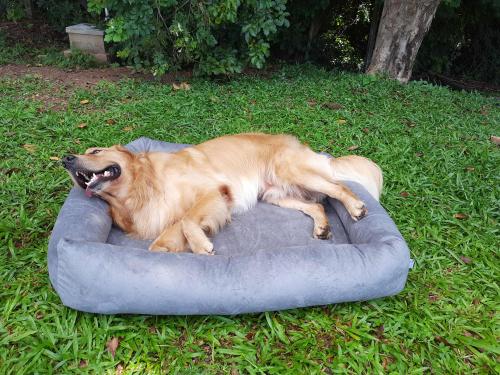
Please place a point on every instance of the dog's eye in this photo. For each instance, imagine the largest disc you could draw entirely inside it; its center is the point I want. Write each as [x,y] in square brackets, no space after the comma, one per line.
[93,152]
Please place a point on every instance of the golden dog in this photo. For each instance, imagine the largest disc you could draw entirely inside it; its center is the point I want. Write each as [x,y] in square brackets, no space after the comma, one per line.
[179,199]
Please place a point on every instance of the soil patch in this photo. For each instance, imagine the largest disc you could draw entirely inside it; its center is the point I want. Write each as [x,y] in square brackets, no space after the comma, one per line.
[85,78]
[33,34]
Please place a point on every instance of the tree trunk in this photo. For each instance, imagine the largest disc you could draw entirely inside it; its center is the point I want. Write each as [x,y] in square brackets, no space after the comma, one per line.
[402,28]
[28,9]
[372,36]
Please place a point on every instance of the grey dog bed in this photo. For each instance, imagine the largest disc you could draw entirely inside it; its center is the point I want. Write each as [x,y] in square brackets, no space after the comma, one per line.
[266,259]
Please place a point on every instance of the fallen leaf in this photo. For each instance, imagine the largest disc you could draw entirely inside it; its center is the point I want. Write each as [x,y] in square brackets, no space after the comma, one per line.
[386,361]
[253,101]
[468,334]
[77,141]
[419,154]
[250,335]
[442,340]
[312,102]
[404,194]
[379,332]
[433,297]
[82,125]
[38,315]
[352,148]
[235,372]
[83,363]
[84,101]
[152,329]
[331,105]
[460,216]
[470,169]
[181,86]
[341,121]
[466,260]
[128,128]
[110,121]
[476,301]
[9,171]
[112,345]
[119,369]
[495,140]
[55,158]
[365,130]
[408,123]
[359,90]
[31,148]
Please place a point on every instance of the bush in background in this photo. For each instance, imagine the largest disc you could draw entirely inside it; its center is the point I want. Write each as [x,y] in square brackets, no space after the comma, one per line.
[216,37]
[222,37]
[56,13]
[328,32]
[463,41]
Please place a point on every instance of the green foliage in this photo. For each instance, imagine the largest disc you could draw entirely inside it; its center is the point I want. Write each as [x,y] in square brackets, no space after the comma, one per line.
[62,13]
[14,10]
[57,13]
[333,33]
[76,60]
[21,54]
[216,37]
[431,142]
[464,41]
[11,53]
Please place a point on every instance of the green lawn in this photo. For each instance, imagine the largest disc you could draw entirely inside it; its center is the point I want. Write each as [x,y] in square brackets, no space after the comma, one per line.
[441,188]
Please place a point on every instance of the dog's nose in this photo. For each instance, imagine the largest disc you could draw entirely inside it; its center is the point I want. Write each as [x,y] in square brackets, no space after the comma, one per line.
[68,160]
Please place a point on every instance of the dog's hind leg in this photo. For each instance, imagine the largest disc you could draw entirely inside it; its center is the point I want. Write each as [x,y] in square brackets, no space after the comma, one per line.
[312,182]
[315,210]
[312,172]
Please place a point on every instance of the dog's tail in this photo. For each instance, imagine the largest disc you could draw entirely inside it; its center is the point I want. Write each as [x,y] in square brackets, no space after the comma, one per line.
[361,170]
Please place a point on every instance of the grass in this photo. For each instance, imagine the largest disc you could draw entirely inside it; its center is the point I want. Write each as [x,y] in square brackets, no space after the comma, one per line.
[432,143]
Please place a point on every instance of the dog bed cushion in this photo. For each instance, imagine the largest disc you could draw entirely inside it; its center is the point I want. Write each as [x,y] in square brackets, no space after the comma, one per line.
[266,259]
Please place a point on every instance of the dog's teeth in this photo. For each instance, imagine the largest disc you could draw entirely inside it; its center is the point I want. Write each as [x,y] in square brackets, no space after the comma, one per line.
[106,173]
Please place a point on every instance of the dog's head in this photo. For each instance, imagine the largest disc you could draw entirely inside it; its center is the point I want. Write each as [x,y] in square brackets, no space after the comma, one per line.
[100,170]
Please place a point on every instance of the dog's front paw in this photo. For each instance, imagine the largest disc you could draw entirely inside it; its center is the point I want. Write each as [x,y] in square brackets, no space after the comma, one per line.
[322,232]
[205,248]
[358,210]
[167,246]
[157,248]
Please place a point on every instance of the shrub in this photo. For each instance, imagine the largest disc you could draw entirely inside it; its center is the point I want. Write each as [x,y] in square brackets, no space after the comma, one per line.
[213,37]
[463,41]
[56,13]
[330,32]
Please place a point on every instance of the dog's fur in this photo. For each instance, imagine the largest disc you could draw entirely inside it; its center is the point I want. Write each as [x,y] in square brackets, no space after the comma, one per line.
[179,198]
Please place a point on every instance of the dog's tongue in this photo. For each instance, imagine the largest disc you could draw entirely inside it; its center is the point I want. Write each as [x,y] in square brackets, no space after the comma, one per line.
[88,192]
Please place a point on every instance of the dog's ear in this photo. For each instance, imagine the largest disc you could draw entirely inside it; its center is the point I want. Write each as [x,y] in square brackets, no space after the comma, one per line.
[124,150]
[121,149]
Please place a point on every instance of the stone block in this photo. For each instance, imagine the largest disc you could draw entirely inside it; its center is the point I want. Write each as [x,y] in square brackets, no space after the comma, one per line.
[88,39]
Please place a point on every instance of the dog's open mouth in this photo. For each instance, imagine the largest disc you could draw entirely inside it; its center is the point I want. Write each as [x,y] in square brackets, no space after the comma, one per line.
[90,180]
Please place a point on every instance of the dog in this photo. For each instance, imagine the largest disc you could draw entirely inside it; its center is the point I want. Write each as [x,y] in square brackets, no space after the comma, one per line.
[180,199]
